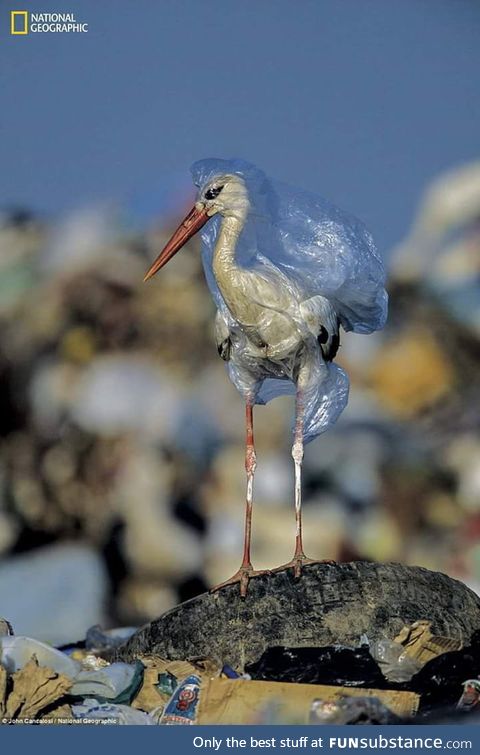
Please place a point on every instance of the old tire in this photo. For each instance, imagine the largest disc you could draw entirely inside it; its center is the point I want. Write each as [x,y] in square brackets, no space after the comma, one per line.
[328,604]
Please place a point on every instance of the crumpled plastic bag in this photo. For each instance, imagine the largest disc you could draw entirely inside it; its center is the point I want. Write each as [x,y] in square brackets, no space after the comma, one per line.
[117,682]
[17,651]
[301,244]
[394,662]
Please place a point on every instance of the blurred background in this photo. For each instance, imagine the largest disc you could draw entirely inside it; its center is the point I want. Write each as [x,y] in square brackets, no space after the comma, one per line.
[121,438]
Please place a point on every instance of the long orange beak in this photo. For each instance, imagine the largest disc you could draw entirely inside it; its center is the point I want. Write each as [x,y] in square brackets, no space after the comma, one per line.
[195,220]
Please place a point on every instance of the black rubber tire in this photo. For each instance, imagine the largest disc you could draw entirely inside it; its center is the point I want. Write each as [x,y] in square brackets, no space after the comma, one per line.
[328,604]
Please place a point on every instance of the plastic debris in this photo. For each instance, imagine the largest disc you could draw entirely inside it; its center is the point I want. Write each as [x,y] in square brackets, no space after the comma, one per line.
[353,689]
[230,673]
[167,683]
[440,681]
[414,646]
[100,639]
[327,665]
[181,708]
[396,665]
[117,682]
[89,661]
[470,698]
[16,652]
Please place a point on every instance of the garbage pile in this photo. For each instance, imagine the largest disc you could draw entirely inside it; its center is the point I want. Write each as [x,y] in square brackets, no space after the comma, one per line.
[416,678]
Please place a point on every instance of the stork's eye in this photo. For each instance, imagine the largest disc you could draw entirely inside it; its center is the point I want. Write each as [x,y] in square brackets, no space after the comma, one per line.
[213,192]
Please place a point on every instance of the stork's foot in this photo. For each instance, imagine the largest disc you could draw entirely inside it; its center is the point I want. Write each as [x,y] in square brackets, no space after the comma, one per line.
[300,560]
[243,577]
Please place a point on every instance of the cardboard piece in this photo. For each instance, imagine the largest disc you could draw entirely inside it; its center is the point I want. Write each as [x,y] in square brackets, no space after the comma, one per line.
[238,701]
[421,644]
[35,688]
[150,696]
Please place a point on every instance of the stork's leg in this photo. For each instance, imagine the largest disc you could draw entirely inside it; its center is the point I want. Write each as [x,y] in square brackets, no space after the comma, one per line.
[299,557]
[297,455]
[246,571]
[250,466]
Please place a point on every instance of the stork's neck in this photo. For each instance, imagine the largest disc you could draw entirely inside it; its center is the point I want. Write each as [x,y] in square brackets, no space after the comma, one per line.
[225,266]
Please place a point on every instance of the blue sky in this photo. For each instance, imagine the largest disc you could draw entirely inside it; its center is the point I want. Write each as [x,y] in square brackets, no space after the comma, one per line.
[363,101]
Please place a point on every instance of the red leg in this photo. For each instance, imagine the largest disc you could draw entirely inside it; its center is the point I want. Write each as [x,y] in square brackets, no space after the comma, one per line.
[246,571]
[250,466]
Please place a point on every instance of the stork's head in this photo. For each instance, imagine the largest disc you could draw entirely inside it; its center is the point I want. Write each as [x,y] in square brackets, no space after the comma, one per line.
[225,194]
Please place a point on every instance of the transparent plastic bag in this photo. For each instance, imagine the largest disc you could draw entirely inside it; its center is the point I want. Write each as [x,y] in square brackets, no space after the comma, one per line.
[308,250]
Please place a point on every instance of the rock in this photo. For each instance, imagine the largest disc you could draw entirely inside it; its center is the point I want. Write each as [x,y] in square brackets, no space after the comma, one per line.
[328,605]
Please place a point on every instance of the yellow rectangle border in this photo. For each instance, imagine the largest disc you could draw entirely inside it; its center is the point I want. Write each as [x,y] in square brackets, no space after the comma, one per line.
[14,13]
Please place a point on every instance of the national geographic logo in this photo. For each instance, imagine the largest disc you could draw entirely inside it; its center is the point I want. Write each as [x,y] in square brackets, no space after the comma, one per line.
[26,22]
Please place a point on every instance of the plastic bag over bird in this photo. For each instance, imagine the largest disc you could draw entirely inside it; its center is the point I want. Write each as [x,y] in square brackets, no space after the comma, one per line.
[321,250]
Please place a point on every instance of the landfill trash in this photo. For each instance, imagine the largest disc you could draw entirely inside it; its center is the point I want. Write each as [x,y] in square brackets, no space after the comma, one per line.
[312,665]
[16,652]
[88,660]
[121,714]
[83,684]
[351,710]
[440,681]
[182,706]
[116,683]
[152,696]
[32,689]
[395,664]
[161,679]
[230,673]
[470,696]
[239,701]
[167,683]
[421,643]
[99,639]
[413,647]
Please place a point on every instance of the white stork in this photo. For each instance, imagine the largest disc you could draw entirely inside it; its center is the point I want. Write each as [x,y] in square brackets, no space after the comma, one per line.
[306,269]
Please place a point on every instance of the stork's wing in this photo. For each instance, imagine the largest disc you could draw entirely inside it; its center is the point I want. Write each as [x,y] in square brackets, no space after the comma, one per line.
[222,336]
[322,321]
[321,249]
